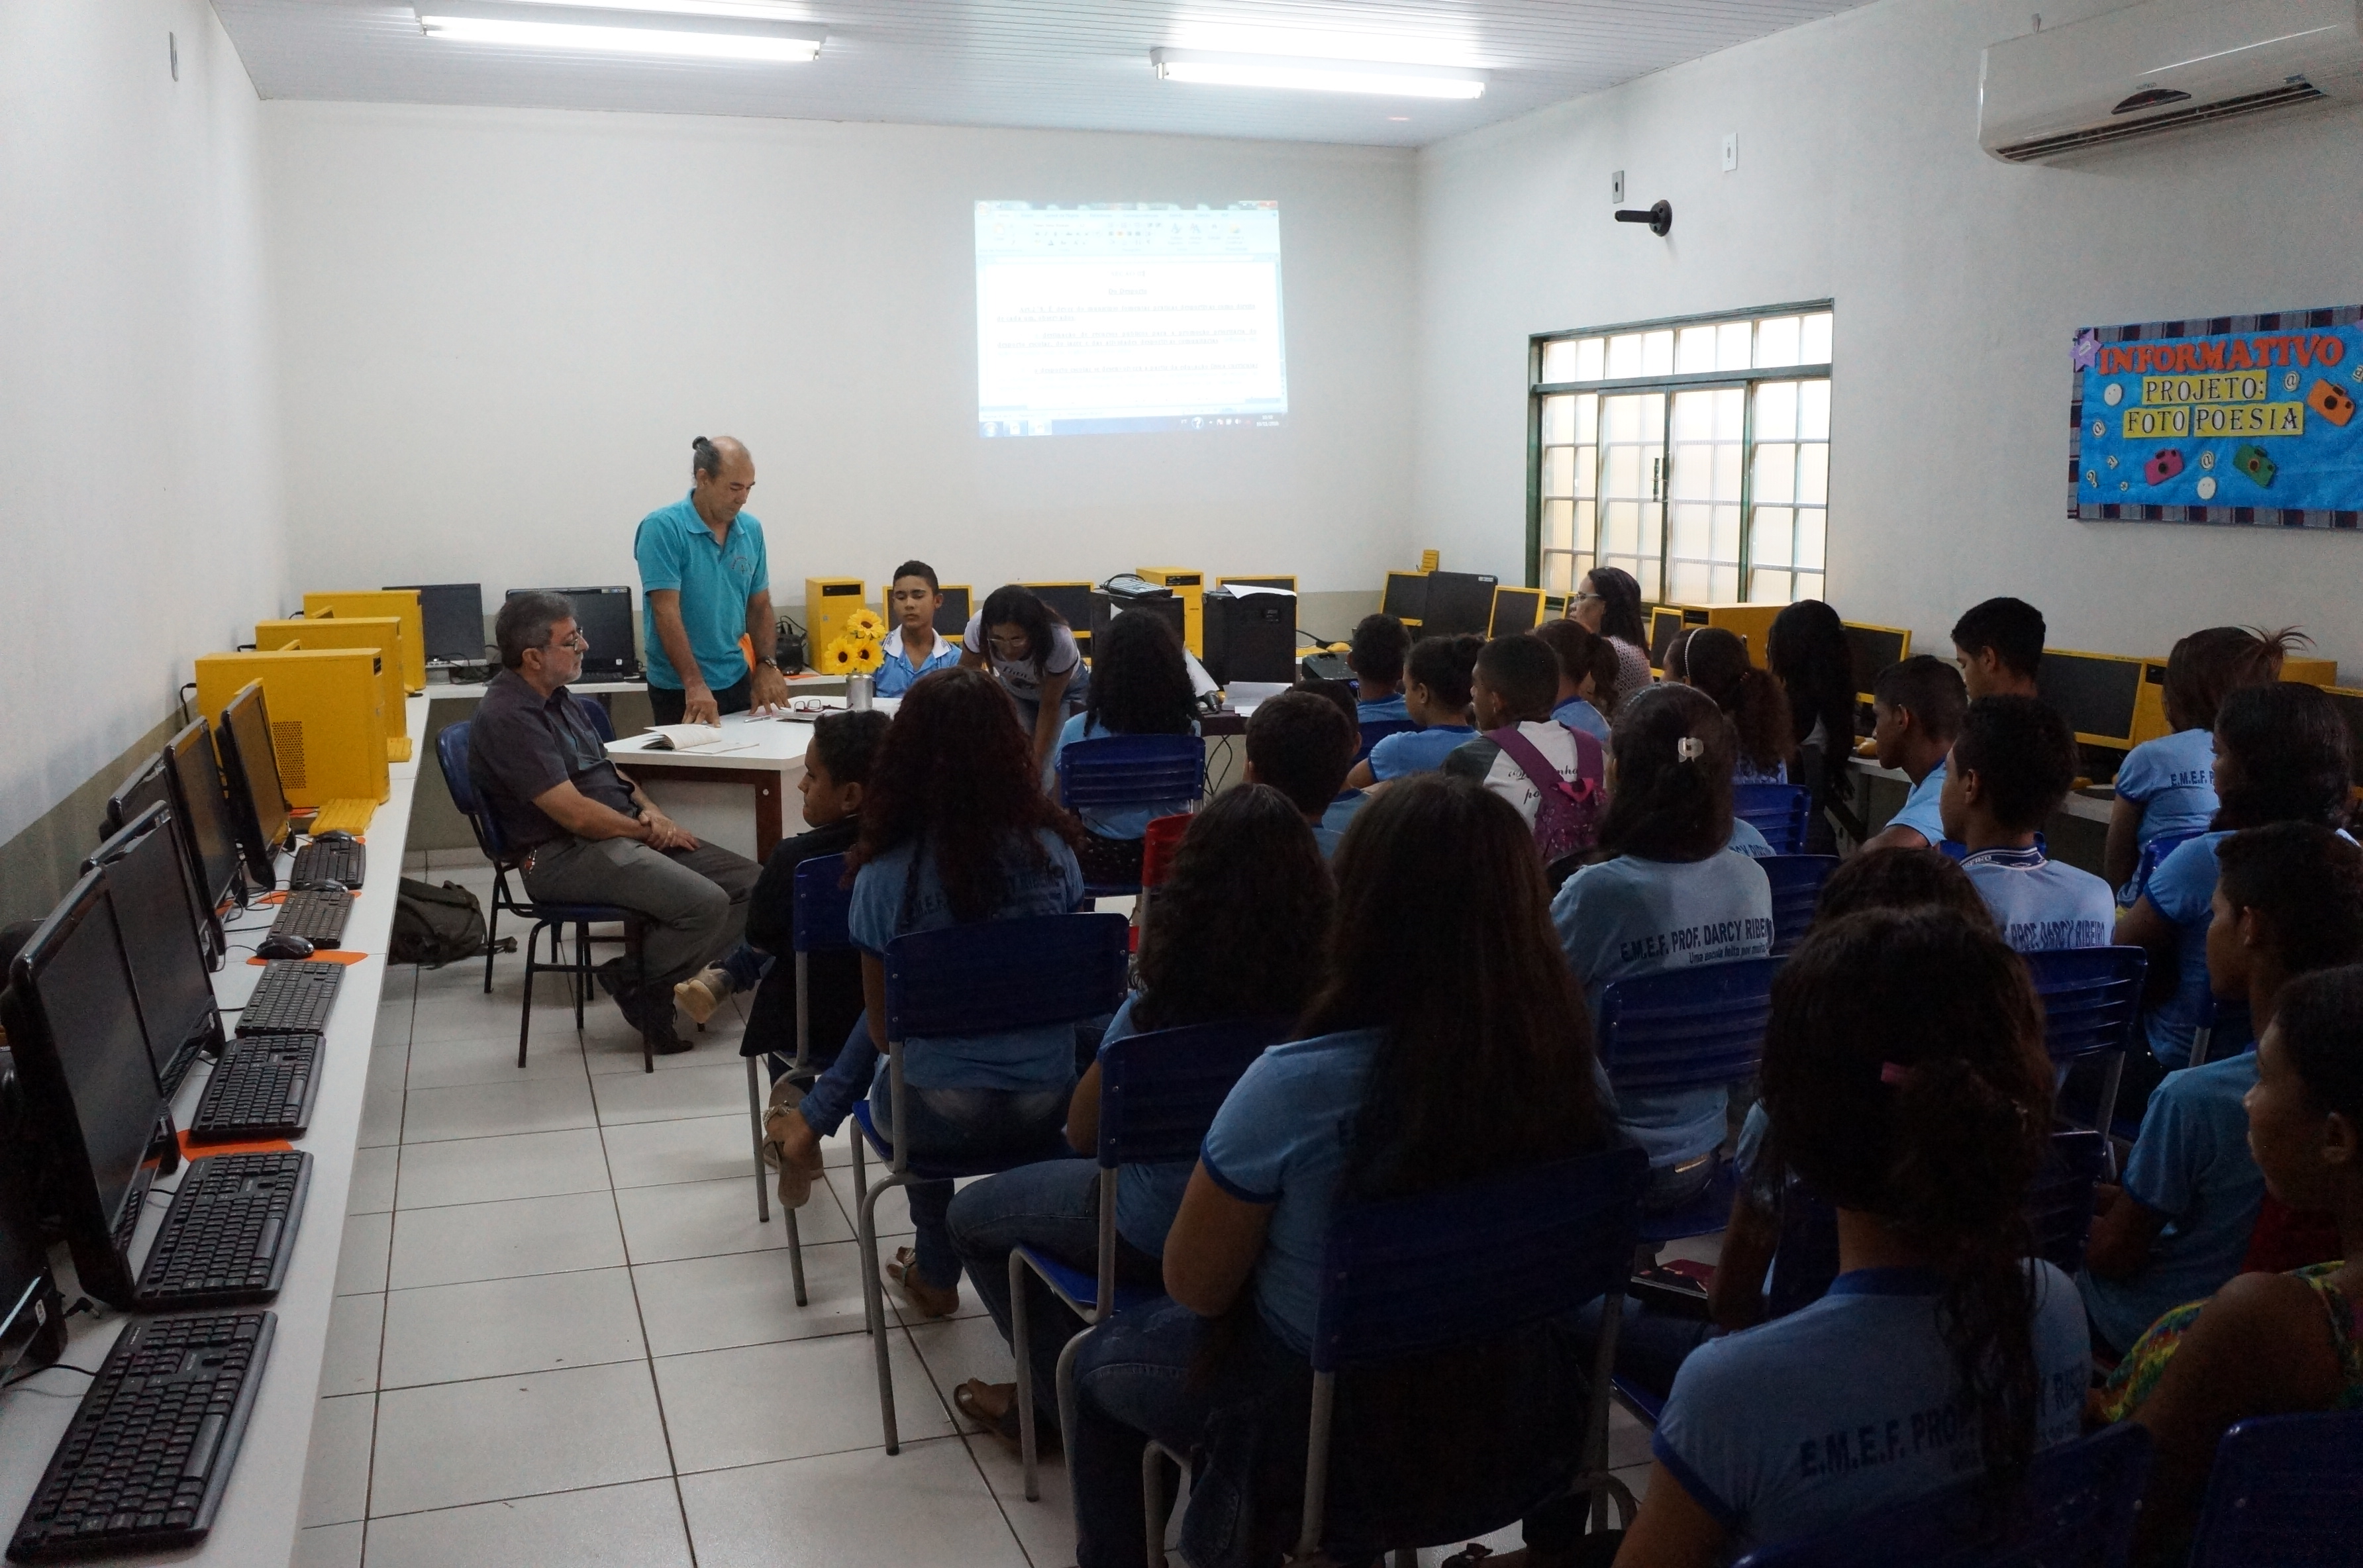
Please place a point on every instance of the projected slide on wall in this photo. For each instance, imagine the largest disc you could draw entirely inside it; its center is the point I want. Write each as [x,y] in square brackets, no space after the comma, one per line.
[1128,316]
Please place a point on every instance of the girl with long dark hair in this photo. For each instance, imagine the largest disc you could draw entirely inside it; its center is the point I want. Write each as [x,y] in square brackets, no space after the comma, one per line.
[1444,1046]
[1715,662]
[1809,655]
[1242,921]
[1608,603]
[955,830]
[2279,756]
[1905,1081]
[1140,686]
[1033,654]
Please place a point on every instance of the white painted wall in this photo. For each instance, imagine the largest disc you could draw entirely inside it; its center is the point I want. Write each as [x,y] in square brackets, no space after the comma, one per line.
[139,518]
[1959,281]
[501,328]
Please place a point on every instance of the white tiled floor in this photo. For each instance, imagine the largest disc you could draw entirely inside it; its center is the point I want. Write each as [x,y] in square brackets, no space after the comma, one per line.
[562,1337]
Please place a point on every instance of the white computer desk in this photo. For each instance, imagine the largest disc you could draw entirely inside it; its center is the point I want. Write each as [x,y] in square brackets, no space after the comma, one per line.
[719,795]
[262,1510]
[2092,805]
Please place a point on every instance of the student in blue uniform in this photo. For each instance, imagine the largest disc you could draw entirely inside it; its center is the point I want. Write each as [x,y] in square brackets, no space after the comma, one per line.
[1999,646]
[1511,691]
[1242,925]
[955,830]
[1809,653]
[1140,686]
[1917,708]
[1301,743]
[2288,900]
[1438,701]
[1338,814]
[1668,898]
[1904,1080]
[1444,1047]
[1588,670]
[2012,763]
[912,647]
[1715,662]
[2166,787]
[1376,657]
[2281,757]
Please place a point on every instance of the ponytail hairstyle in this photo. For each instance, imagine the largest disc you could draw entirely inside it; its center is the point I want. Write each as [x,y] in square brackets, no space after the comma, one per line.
[1809,655]
[2207,667]
[1904,1078]
[1583,654]
[1621,604]
[1715,662]
[2284,751]
[1669,797]
[1013,605]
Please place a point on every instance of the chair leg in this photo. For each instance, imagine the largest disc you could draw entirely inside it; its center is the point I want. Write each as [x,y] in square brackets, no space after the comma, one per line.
[1021,1345]
[755,1120]
[491,937]
[1066,1381]
[795,1258]
[1153,1506]
[873,1302]
[581,976]
[525,1023]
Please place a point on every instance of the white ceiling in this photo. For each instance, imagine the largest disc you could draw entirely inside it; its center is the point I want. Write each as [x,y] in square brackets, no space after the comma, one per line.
[1060,64]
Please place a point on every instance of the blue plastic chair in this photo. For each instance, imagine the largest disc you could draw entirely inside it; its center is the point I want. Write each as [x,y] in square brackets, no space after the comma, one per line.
[1796,886]
[1112,772]
[2076,1507]
[1159,1094]
[985,979]
[2153,856]
[2286,1491]
[596,713]
[1376,730]
[1779,811]
[2092,1006]
[1687,1028]
[451,756]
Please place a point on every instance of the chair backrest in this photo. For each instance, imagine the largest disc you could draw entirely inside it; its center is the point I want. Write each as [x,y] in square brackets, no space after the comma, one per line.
[1131,770]
[1000,975]
[2154,853]
[1158,845]
[1779,811]
[2285,1489]
[2076,1507]
[822,907]
[2092,998]
[596,714]
[1376,730]
[1158,1091]
[1686,1028]
[451,756]
[1796,886]
[1409,1274]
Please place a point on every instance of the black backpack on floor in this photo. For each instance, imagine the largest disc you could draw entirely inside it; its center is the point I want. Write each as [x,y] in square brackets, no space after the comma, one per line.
[435,926]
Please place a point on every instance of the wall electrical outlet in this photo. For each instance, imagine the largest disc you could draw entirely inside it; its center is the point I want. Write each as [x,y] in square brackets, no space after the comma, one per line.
[1616,188]
[1730,152]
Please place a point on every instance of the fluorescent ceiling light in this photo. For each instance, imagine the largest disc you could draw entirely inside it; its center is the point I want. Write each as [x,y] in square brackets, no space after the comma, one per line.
[741,10]
[1384,79]
[676,34]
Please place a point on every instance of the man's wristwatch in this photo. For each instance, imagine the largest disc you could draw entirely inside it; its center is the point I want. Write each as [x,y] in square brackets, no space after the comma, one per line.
[769,661]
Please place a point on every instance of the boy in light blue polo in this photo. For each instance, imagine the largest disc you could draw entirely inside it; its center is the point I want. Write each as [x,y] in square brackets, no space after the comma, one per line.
[1918,705]
[913,648]
[2012,765]
[1376,657]
[706,578]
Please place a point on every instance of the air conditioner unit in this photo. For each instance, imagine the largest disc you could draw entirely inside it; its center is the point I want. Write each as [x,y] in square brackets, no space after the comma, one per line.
[2162,66]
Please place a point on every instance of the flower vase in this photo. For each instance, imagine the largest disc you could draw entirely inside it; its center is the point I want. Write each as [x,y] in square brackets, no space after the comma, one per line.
[858,689]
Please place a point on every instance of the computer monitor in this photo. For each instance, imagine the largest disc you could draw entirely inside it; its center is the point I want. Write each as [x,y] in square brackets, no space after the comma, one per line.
[258,802]
[453,614]
[201,807]
[1405,597]
[148,880]
[2096,692]
[152,788]
[144,789]
[1458,603]
[1072,603]
[32,1319]
[1515,609]
[88,1085]
[1664,624]
[951,616]
[603,617]
[1876,649]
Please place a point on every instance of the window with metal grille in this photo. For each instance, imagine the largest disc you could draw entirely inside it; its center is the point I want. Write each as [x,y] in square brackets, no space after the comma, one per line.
[1694,453]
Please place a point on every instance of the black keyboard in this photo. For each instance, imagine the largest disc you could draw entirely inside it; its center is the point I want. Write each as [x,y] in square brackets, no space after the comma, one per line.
[262,1088]
[292,997]
[318,913]
[145,1463]
[230,1232]
[333,862]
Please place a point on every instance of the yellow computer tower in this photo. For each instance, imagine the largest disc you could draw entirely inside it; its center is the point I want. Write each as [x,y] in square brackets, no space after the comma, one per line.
[1190,587]
[402,603]
[830,603]
[327,723]
[378,633]
[2311,671]
[2150,703]
[1431,560]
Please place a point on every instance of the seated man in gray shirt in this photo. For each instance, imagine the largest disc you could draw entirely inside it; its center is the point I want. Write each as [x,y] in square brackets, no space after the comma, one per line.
[587,832]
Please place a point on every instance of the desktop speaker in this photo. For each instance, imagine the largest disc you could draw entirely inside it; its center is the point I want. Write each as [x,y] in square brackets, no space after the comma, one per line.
[328,723]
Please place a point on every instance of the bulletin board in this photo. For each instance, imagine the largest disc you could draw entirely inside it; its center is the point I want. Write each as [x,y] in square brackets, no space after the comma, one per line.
[2244,420]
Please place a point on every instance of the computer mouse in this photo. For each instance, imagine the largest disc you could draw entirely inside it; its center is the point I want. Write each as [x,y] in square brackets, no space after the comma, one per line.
[280,945]
[334,835]
[319,885]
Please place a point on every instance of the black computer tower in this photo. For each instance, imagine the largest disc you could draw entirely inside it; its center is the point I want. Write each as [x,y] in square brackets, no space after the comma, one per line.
[1251,636]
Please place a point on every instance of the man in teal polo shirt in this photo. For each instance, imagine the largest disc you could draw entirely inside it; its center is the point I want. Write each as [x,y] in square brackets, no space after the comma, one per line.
[705,578]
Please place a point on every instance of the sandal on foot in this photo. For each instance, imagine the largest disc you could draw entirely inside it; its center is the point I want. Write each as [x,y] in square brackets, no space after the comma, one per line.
[785,1098]
[975,1400]
[931,1301]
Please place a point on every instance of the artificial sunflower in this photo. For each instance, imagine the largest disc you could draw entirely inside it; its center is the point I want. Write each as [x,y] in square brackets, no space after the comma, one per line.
[865,626]
[868,656]
[839,658]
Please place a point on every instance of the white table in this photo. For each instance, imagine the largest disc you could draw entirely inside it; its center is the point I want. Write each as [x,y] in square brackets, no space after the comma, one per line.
[710,792]
[2092,805]
[259,1518]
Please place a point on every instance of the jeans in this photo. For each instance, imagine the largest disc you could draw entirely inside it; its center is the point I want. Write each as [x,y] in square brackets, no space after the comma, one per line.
[1132,1382]
[966,1125]
[693,901]
[1054,1207]
[1671,1186]
[745,966]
